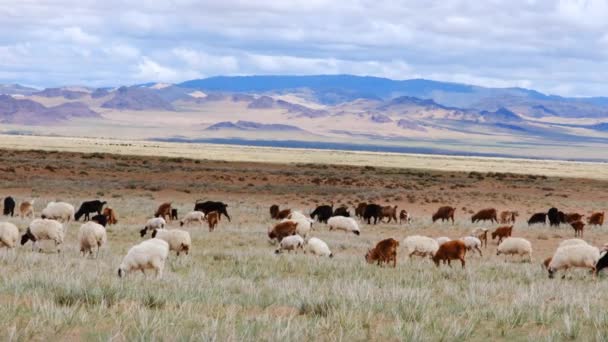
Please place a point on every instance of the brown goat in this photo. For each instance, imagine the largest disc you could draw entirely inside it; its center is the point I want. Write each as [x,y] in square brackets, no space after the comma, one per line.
[274,210]
[404,216]
[484,215]
[283,229]
[573,217]
[508,216]
[482,235]
[110,214]
[360,210]
[578,227]
[596,219]
[212,220]
[283,214]
[390,212]
[26,209]
[450,250]
[164,211]
[502,232]
[444,213]
[384,252]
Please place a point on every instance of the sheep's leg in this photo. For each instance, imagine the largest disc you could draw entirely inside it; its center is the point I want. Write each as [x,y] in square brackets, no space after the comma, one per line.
[479,250]
[462,262]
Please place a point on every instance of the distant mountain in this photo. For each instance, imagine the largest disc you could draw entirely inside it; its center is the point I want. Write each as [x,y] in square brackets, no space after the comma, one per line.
[501,115]
[251,126]
[61,92]
[137,98]
[16,89]
[28,112]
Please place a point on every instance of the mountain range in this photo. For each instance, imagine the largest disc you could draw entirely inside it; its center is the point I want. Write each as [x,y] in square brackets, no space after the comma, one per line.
[325,108]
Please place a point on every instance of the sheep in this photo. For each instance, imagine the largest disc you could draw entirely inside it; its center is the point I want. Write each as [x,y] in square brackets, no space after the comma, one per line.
[209,206]
[578,227]
[101,219]
[442,239]
[384,252]
[501,233]
[149,254]
[290,243]
[9,206]
[372,210]
[420,245]
[164,211]
[538,218]
[179,240]
[274,210]
[484,215]
[9,235]
[341,211]
[26,209]
[323,212]
[601,263]
[318,247]
[405,216]
[482,235]
[360,210]
[390,212]
[304,223]
[449,251]
[44,229]
[283,229]
[153,223]
[471,243]
[596,219]
[346,224]
[445,213]
[572,242]
[515,245]
[193,217]
[91,235]
[60,211]
[213,218]
[88,207]
[174,214]
[283,214]
[508,216]
[581,255]
[111,215]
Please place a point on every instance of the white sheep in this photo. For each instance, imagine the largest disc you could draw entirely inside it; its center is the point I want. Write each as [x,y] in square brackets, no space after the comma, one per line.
[481,234]
[442,239]
[91,235]
[420,245]
[153,223]
[149,254]
[193,217]
[347,224]
[515,246]
[318,247]
[44,229]
[60,211]
[9,235]
[304,223]
[179,240]
[572,242]
[581,255]
[472,243]
[290,243]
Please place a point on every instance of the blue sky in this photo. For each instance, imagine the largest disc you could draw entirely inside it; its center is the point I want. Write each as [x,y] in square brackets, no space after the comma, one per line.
[558,47]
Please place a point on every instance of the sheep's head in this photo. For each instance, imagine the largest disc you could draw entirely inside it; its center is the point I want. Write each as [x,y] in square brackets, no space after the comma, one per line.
[356,232]
[369,257]
[121,272]
[27,236]
[551,273]
[142,232]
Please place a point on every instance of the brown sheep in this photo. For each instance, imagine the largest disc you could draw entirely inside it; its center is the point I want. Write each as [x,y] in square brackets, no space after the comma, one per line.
[444,213]
[573,217]
[484,215]
[390,212]
[508,216]
[384,252]
[164,211]
[26,209]
[274,210]
[283,229]
[110,214]
[283,214]
[501,233]
[596,219]
[360,210]
[212,220]
[451,250]
[404,216]
[578,227]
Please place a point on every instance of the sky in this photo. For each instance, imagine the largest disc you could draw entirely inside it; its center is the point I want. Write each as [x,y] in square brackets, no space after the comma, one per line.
[557,47]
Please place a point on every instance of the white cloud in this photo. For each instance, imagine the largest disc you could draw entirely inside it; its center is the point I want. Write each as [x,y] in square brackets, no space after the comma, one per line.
[78,36]
[149,70]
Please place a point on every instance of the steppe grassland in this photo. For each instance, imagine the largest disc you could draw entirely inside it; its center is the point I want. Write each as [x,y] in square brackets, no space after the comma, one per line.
[232,286]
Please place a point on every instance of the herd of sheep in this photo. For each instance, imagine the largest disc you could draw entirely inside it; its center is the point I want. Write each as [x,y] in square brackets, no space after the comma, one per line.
[294,232]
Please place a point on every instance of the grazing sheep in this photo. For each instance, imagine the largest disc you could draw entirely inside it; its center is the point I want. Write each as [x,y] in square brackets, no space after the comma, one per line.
[164,211]
[174,214]
[515,246]
[44,229]
[26,209]
[578,227]
[341,211]
[304,223]
[283,214]
[213,218]
[538,218]
[420,245]
[508,216]
[596,219]
[482,235]
[91,235]
[60,211]
[390,212]
[450,250]
[372,210]
[442,239]
[209,206]
[274,210]
[178,240]
[193,217]
[291,243]
[502,232]
[566,257]
[346,224]
[472,243]
[9,206]
[384,252]
[283,229]
[360,210]
[153,223]
[322,213]
[405,216]
[318,247]
[445,213]
[556,217]
[111,215]
[149,254]
[485,215]
[601,263]
[88,207]
[572,242]
[9,235]
[101,219]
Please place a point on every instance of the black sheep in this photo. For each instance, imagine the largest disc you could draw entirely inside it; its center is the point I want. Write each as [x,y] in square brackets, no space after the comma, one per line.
[174,214]
[372,210]
[101,219]
[602,263]
[322,213]
[209,206]
[9,206]
[554,217]
[341,211]
[95,206]
[538,218]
